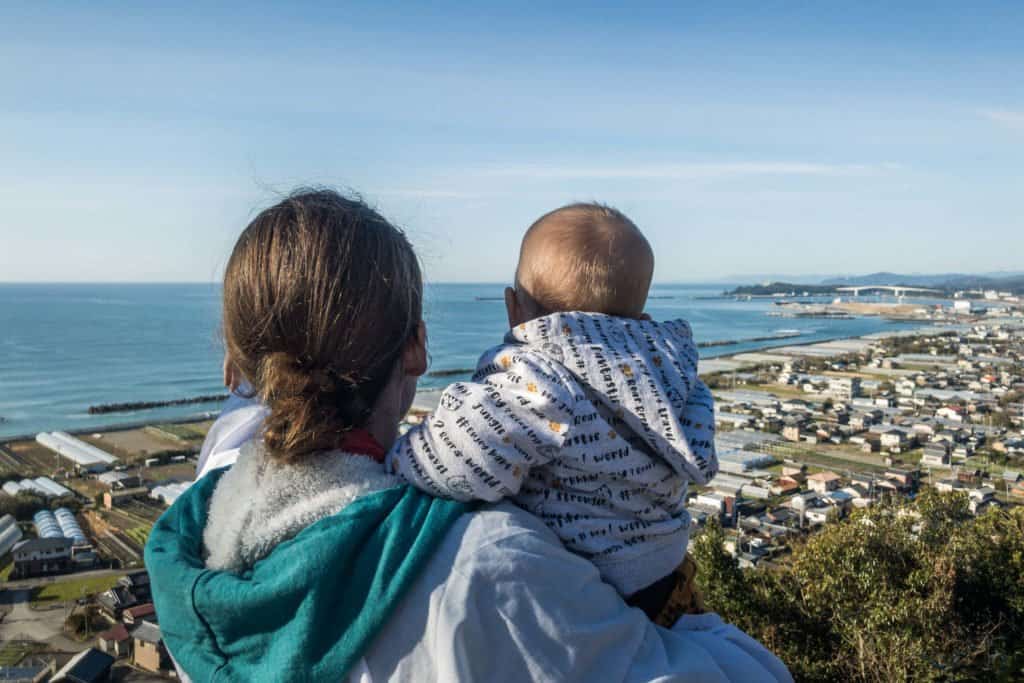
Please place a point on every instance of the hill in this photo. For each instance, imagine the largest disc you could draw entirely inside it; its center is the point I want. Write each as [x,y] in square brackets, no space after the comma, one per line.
[945,283]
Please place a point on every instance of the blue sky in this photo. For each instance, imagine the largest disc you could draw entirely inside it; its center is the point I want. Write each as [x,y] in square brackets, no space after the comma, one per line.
[136,141]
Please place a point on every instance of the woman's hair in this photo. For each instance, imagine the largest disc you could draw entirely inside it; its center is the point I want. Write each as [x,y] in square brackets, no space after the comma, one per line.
[320,296]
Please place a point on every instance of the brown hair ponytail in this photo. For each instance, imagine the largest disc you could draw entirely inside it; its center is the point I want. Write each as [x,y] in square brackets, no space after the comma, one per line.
[320,295]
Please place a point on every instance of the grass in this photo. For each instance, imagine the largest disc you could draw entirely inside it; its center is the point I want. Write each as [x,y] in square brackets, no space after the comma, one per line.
[12,652]
[179,432]
[73,589]
[814,456]
[786,391]
[841,464]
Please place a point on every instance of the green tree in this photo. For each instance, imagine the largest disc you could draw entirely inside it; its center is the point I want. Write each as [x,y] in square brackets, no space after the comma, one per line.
[21,506]
[922,593]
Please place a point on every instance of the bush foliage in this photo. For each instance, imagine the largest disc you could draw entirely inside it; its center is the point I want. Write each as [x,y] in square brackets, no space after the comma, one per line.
[922,593]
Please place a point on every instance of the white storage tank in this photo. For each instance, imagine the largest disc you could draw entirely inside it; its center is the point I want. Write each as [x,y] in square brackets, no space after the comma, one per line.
[31,486]
[11,488]
[169,492]
[46,525]
[53,487]
[86,448]
[69,526]
[84,455]
[10,533]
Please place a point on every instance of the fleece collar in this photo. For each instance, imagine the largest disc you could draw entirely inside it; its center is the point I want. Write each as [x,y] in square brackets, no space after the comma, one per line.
[280,500]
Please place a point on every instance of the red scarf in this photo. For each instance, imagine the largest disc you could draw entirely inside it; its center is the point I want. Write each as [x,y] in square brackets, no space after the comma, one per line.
[361,442]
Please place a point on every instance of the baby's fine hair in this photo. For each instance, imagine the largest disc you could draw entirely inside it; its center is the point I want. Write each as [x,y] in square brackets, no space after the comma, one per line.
[586,257]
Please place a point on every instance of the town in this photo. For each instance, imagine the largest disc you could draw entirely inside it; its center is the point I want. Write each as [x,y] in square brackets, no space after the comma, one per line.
[807,434]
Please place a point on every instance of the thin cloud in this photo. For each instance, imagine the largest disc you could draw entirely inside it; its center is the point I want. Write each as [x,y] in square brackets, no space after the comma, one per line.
[425,193]
[689,171]
[1005,117]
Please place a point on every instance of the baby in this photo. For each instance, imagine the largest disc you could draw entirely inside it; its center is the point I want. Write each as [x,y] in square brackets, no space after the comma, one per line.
[589,415]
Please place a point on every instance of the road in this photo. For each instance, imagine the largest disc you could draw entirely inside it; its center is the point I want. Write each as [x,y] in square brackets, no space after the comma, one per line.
[20,622]
[28,584]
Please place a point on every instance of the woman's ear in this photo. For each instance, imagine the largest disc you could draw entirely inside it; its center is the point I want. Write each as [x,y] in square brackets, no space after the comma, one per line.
[414,355]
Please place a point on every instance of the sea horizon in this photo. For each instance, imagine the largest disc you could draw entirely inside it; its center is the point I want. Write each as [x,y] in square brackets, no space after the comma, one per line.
[65,347]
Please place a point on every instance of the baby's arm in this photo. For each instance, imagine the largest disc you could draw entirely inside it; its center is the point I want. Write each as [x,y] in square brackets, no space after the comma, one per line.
[699,425]
[486,434]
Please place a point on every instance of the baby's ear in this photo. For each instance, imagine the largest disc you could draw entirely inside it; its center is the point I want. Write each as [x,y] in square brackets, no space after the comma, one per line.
[512,307]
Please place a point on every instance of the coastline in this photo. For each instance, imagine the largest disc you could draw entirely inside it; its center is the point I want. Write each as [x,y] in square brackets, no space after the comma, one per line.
[824,348]
[120,426]
[426,400]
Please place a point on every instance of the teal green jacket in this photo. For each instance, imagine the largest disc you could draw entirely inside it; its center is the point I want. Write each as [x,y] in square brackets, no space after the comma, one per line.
[306,612]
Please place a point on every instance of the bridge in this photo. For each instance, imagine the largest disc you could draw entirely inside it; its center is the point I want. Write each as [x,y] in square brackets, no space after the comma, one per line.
[897,290]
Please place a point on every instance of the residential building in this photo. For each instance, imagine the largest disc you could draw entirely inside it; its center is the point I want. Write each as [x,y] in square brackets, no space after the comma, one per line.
[980,499]
[821,515]
[823,482]
[844,388]
[711,501]
[118,497]
[130,591]
[115,642]
[139,613]
[88,666]
[936,454]
[41,556]
[784,486]
[149,652]
[895,439]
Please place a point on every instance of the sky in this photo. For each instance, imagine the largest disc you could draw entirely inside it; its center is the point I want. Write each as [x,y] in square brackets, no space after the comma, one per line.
[138,140]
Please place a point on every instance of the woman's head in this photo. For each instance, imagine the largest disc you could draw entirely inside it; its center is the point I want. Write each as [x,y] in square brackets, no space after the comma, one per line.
[322,306]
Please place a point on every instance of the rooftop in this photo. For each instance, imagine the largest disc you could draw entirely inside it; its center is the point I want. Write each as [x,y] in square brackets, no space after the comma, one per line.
[116,634]
[147,632]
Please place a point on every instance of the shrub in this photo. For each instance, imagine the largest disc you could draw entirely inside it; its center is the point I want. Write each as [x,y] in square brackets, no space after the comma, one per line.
[924,593]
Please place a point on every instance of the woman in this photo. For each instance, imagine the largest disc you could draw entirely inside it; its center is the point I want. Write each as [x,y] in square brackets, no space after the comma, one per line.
[306,561]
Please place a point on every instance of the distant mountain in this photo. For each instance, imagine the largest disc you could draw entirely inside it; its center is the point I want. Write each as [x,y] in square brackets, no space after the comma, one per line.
[947,283]
[769,277]
[884,278]
[1005,280]
[781,289]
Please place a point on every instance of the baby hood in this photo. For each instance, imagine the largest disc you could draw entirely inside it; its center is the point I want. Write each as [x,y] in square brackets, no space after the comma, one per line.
[640,374]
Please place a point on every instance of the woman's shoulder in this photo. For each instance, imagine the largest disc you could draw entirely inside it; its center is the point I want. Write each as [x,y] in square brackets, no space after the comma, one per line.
[498,533]
[502,599]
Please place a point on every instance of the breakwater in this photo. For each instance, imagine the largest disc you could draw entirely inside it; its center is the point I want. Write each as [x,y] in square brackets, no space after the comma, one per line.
[133,406]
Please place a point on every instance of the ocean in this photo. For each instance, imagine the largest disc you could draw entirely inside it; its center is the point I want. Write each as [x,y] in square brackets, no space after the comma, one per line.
[65,347]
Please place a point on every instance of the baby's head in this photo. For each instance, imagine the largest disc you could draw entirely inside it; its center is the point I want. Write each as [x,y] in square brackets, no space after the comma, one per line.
[581,257]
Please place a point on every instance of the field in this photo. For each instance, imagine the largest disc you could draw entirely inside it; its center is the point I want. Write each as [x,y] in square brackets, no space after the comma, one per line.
[9,465]
[139,535]
[64,591]
[829,457]
[187,433]
[120,534]
[33,459]
[132,445]
[786,391]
